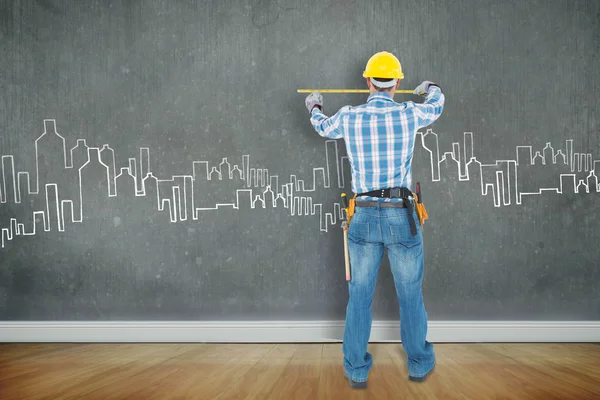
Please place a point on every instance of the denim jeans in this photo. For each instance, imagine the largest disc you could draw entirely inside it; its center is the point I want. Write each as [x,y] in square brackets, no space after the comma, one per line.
[373,229]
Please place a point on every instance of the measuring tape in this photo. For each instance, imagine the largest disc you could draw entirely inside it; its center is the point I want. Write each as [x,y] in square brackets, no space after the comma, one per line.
[345,91]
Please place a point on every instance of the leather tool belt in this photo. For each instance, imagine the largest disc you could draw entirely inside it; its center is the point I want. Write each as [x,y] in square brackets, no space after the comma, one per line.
[389,193]
[392,193]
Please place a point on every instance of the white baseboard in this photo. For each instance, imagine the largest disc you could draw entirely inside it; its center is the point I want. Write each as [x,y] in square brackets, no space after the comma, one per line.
[268,331]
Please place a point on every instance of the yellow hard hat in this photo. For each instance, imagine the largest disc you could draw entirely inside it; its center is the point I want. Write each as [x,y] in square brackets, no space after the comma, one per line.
[383,65]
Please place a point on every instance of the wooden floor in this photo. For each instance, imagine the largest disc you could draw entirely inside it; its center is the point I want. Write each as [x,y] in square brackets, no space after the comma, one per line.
[290,371]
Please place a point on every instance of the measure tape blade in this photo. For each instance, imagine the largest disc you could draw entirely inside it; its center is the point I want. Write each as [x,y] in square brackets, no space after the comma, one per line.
[345,91]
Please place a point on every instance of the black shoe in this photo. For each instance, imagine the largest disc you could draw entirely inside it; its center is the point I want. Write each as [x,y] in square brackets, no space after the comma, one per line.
[419,378]
[356,385]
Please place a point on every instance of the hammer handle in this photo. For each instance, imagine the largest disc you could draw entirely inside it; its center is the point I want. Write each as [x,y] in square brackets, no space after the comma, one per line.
[346,254]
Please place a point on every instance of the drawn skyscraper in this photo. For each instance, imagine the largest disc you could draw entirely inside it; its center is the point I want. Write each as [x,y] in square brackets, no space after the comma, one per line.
[468,141]
[125,183]
[449,167]
[9,184]
[592,182]
[549,154]
[53,214]
[430,142]
[144,163]
[50,156]
[151,190]
[93,183]
[569,151]
[107,156]
[332,174]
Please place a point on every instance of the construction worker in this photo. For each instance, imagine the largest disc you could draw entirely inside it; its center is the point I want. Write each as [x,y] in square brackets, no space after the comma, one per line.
[380,138]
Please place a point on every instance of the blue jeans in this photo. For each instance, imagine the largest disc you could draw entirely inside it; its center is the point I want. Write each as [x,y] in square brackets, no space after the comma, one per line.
[373,229]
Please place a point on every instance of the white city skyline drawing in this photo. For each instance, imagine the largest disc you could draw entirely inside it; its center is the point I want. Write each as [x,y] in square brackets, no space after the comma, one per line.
[177,195]
[505,187]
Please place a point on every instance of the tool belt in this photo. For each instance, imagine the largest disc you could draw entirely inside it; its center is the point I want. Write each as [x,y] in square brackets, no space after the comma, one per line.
[383,204]
[390,193]
[394,193]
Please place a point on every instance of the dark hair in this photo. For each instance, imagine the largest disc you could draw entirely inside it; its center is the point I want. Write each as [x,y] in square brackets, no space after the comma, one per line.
[382,80]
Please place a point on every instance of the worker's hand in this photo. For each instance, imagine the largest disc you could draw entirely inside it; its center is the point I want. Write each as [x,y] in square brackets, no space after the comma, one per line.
[315,99]
[423,88]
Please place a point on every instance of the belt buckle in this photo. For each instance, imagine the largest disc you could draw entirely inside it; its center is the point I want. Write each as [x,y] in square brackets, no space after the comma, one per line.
[394,193]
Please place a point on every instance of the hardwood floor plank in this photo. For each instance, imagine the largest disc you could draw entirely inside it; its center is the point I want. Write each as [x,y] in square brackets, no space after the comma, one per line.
[14,351]
[38,354]
[126,371]
[555,385]
[333,385]
[437,385]
[310,351]
[387,380]
[205,377]
[555,361]
[332,351]
[299,380]
[76,379]
[53,371]
[127,387]
[494,370]
[283,350]
[50,378]
[258,382]
[570,375]
[202,381]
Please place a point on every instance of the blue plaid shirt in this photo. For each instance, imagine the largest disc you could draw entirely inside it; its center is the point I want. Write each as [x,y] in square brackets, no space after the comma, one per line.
[380,137]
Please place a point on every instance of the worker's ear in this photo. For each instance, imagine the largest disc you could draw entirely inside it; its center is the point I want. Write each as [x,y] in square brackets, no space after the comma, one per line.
[398,84]
[368,82]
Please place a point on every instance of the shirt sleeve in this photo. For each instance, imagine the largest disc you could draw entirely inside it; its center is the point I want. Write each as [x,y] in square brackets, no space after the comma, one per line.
[431,109]
[329,127]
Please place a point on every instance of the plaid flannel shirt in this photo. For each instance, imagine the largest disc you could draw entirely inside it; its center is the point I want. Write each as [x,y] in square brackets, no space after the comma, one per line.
[380,137]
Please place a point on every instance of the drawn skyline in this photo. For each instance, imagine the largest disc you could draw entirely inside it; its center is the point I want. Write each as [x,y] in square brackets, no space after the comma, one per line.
[509,180]
[185,196]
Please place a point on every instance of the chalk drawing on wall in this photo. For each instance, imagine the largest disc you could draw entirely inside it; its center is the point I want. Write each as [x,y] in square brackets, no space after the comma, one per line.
[184,197]
[508,181]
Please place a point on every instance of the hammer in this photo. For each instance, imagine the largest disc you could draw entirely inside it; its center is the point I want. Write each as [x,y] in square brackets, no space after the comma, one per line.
[345,226]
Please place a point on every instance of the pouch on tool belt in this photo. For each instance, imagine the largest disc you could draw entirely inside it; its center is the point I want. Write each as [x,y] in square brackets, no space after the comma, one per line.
[351,207]
[421,211]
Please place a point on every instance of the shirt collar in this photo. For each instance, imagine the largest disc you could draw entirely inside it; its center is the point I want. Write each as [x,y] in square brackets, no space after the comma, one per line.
[380,96]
